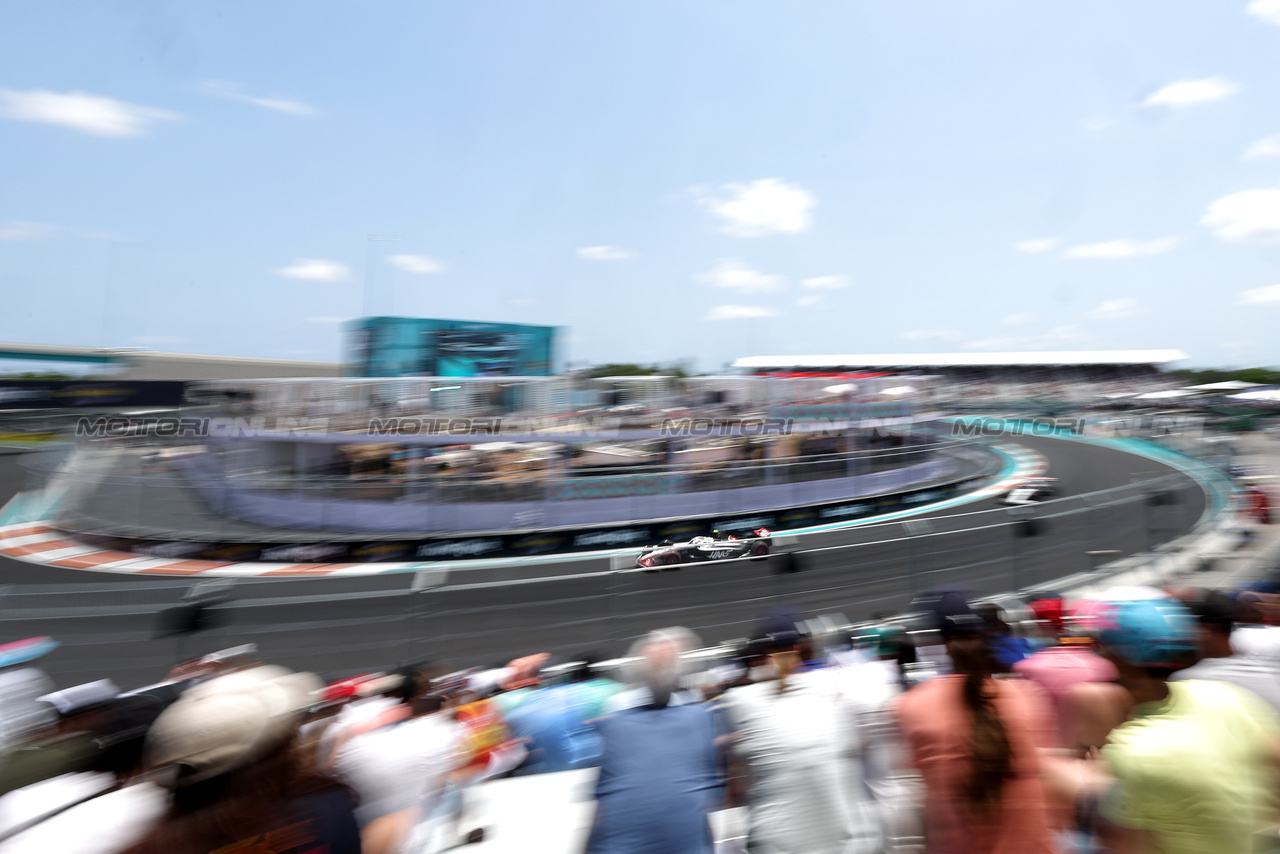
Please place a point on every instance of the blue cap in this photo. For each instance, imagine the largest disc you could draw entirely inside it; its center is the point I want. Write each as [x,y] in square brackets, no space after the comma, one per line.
[1148,632]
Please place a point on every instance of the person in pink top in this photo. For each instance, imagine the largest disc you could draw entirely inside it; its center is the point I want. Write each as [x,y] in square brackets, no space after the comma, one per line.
[1059,669]
[974,740]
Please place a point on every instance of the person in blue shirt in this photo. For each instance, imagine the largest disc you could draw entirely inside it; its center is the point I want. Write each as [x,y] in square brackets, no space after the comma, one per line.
[658,765]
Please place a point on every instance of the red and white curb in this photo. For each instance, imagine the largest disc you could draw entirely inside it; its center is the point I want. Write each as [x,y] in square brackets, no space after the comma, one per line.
[35,542]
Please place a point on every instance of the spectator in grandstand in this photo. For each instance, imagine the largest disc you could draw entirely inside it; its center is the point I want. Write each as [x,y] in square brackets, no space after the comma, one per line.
[398,764]
[637,692]
[1256,634]
[97,806]
[1218,662]
[556,723]
[226,750]
[1192,769]
[1058,669]
[1259,504]
[797,735]
[892,650]
[1007,648]
[658,770]
[975,740]
[20,686]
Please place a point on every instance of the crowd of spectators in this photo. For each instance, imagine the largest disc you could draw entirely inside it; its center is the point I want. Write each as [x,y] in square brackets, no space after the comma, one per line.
[1140,721]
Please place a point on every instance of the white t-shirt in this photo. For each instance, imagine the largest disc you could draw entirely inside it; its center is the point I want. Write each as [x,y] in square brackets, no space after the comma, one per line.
[103,825]
[1257,642]
[806,780]
[401,766]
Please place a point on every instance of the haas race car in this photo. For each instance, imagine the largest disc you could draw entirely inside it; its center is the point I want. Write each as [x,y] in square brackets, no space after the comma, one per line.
[700,549]
[1032,490]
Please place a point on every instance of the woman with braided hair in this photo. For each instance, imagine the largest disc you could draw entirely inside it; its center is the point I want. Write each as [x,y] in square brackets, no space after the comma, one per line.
[974,739]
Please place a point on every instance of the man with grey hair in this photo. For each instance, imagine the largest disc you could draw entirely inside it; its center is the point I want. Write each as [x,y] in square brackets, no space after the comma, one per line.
[658,771]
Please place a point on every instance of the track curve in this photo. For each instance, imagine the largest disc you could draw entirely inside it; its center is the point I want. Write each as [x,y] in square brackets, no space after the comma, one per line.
[341,625]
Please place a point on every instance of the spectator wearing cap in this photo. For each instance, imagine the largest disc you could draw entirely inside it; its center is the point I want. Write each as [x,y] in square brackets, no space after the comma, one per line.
[1218,662]
[974,739]
[658,766]
[1192,768]
[1006,647]
[225,749]
[797,735]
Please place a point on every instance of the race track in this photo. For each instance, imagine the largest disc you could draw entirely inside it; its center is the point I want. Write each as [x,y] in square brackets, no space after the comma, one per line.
[337,626]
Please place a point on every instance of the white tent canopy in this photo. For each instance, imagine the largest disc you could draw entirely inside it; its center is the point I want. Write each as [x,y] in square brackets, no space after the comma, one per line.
[1228,385]
[1259,396]
[1166,394]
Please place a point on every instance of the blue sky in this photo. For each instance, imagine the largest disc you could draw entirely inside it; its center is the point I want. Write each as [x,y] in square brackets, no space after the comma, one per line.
[667,180]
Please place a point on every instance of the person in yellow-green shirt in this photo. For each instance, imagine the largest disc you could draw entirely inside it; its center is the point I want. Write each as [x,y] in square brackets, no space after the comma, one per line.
[1194,768]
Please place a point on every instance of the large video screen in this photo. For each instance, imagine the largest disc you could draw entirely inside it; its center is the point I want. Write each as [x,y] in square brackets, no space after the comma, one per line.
[424,347]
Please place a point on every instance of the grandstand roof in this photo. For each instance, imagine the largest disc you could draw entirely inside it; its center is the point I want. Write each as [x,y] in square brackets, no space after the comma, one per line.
[965,360]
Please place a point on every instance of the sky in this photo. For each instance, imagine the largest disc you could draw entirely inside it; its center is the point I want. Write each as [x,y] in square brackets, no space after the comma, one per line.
[693,180]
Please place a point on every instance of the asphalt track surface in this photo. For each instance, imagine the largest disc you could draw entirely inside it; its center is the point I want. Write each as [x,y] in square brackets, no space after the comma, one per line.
[337,626]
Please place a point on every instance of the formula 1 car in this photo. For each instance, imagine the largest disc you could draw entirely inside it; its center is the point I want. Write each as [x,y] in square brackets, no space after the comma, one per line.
[701,549]
[1031,491]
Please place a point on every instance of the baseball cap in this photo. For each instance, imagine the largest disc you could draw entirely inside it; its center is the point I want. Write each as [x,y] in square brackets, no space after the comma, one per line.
[884,639]
[81,698]
[1147,632]
[229,722]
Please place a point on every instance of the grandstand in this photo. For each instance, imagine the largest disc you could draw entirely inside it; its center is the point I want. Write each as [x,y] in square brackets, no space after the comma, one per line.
[1066,376]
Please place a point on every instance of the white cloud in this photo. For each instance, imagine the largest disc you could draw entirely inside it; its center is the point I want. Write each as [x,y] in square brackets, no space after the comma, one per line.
[809,299]
[315,270]
[825,283]
[1114,249]
[740,312]
[733,274]
[605,253]
[1269,295]
[931,335]
[1266,10]
[1115,309]
[1267,147]
[80,111]
[1251,216]
[522,301]
[327,319]
[223,89]
[760,208]
[15,230]
[1038,244]
[1022,318]
[1185,93]
[420,264]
